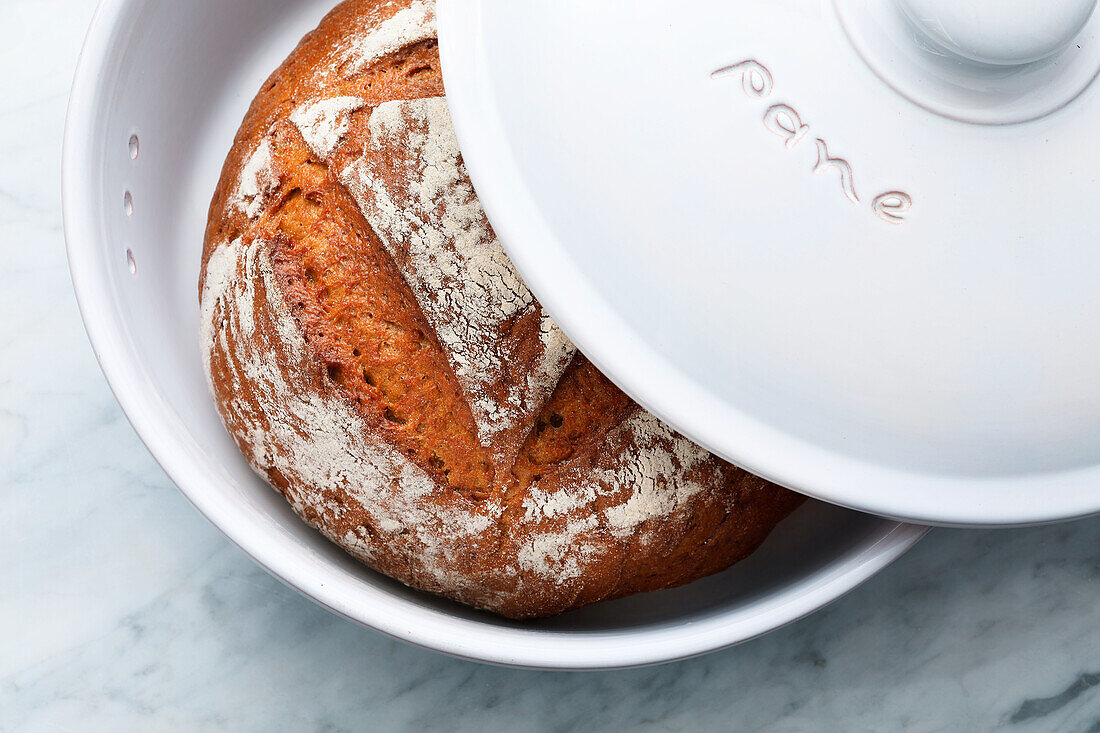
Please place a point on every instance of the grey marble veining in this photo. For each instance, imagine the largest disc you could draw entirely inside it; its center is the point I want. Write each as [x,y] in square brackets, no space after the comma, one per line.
[122,609]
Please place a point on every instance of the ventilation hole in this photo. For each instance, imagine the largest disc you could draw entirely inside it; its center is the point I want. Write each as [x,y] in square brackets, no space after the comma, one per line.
[131,262]
[336,373]
[418,71]
[368,378]
[128,203]
[356,352]
[540,425]
[557,420]
[536,478]
[393,417]
[437,463]
[134,147]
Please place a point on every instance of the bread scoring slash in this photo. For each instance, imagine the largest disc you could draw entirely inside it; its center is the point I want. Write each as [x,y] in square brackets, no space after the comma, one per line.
[379,361]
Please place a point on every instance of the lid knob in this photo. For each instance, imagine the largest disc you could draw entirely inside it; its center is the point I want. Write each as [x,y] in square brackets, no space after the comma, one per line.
[1000,32]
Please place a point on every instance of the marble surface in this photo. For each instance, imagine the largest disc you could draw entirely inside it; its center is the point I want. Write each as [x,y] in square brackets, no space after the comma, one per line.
[122,609]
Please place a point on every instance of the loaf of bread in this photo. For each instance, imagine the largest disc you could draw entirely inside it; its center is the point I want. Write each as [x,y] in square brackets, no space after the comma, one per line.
[377,359]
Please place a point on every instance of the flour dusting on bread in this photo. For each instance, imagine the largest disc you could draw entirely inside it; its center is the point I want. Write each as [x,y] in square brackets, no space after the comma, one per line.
[258,179]
[559,556]
[324,124]
[659,471]
[649,472]
[415,192]
[412,24]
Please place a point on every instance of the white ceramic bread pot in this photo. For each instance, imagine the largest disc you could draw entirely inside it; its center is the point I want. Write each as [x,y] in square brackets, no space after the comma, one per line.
[159,93]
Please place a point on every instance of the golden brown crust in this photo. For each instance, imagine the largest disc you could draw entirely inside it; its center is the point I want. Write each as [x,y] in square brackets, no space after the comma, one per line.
[334,364]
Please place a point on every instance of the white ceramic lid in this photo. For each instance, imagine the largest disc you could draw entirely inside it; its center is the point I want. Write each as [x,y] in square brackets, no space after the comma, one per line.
[847,244]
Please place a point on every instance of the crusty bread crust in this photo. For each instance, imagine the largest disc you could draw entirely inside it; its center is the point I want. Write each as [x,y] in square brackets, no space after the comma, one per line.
[377,359]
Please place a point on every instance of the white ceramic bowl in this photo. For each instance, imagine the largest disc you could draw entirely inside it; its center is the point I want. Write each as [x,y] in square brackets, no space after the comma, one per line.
[160,90]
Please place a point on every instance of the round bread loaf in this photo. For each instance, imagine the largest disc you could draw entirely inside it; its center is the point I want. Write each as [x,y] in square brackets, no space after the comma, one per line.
[377,359]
